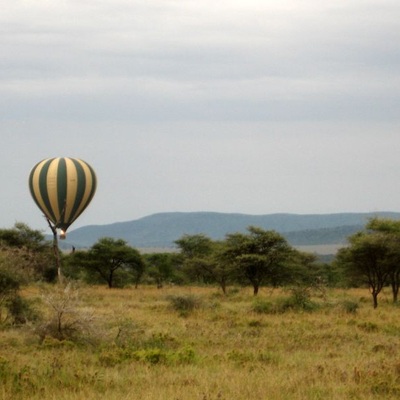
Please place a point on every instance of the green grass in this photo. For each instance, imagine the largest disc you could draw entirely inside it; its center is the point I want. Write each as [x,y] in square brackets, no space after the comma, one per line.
[233,347]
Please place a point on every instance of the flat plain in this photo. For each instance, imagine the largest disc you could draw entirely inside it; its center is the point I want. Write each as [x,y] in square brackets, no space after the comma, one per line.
[179,343]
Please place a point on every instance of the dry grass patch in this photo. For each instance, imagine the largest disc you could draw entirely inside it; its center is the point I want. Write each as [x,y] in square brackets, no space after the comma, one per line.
[144,348]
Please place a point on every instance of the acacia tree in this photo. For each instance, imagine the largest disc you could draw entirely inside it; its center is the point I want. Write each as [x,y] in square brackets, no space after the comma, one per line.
[219,267]
[198,245]
[214,266]
[204,259]
[258,255]
[391,230]
[301,268]
[160,267]
[106,257]
[194,249]
[367,258]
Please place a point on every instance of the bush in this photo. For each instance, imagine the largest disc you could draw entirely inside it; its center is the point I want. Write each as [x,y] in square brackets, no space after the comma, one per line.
[300,299]
[349,306]
[66,319]
[184,304]
[50,274]
[9,286]
[260,306]
[22,311]
[16,310]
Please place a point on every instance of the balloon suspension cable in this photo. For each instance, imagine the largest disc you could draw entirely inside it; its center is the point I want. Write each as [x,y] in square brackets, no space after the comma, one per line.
[56,250]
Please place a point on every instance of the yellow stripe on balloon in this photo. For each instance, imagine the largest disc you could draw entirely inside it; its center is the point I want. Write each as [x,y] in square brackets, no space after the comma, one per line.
[52,189]
[36,188]
[72,187]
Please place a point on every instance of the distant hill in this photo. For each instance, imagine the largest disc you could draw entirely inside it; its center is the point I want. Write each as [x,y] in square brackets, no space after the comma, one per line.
[161,230]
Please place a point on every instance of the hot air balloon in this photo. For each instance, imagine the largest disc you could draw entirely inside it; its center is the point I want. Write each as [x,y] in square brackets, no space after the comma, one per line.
[62,188]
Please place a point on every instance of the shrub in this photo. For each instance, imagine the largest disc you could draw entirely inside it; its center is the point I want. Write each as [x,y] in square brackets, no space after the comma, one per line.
[185,355]
[260,306]
[160,340]
[66,319]
[9,287]
[22,311]
[14,309]
[8,284]
[255,324]
[110,356]
[349,306]
[51,343]
[184,304]
[300,299]
[152,356]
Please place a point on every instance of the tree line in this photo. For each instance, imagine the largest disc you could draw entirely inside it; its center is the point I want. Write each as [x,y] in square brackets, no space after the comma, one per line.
[256,257]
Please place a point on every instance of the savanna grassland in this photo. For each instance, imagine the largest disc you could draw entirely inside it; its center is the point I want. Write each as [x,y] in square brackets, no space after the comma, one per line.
[181,343]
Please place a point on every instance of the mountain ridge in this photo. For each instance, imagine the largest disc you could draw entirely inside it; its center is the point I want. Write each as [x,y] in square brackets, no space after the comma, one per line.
[160,230]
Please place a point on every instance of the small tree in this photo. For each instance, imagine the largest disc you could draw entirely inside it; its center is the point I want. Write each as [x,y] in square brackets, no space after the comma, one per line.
[160,267]
[219,268]
[258,255]
[215,267]
[66,318]
[107,256]
[303,269]
[192,246]
[194,250]
[366,259]
[391,230]
[204,259]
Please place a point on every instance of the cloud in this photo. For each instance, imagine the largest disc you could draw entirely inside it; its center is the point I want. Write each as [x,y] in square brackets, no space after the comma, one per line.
[244,106]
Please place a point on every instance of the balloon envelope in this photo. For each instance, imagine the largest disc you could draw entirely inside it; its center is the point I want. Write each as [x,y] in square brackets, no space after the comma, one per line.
[62,188]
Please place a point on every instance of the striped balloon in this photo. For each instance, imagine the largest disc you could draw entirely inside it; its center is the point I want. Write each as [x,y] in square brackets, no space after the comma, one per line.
[62,188]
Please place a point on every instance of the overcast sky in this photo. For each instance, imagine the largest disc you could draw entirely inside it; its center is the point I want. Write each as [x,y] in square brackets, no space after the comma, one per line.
[248,106]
